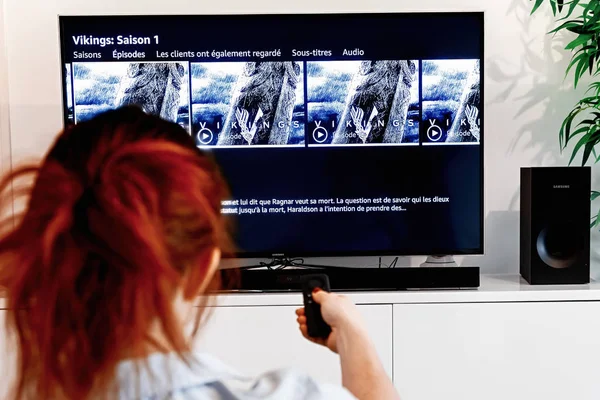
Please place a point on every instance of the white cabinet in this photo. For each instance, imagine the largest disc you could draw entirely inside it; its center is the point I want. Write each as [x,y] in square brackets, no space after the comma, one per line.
[7,363]
[262,338]
[497,351]
[259,339]
[503,341]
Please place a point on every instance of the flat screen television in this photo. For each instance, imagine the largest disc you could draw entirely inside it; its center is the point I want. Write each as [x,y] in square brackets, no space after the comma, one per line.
[340,134]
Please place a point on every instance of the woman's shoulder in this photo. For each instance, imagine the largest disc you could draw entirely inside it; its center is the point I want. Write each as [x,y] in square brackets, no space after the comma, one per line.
[202,376]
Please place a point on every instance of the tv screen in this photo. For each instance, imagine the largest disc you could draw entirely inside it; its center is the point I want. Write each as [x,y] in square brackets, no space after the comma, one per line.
[339,134]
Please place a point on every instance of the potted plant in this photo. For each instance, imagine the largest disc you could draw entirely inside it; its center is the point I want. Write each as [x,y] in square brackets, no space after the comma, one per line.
[580,129]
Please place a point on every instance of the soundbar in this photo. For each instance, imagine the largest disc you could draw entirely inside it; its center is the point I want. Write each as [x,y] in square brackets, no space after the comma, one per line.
[351,279]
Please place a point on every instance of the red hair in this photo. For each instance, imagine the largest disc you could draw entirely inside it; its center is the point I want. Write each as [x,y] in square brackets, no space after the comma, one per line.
[124,211]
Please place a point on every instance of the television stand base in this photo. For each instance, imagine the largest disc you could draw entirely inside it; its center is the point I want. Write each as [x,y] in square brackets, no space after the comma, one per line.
[439,261]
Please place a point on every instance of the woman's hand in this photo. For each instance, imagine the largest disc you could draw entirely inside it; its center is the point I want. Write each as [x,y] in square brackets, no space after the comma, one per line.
[362,372]
[338,312]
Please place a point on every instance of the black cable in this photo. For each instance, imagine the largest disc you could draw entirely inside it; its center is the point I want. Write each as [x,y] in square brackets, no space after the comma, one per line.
[289,262]
[277,264]
[391,265]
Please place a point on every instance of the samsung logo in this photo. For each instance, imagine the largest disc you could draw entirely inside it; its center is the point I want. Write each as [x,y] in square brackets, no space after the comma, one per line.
[561,186]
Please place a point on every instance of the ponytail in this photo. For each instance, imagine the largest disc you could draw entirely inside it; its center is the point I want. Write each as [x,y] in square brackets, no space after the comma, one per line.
[122,208]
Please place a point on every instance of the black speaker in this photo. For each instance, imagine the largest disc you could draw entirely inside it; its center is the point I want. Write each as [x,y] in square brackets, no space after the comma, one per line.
[555,225]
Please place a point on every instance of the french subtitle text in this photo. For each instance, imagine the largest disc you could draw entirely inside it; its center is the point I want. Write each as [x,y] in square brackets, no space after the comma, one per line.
[328,205]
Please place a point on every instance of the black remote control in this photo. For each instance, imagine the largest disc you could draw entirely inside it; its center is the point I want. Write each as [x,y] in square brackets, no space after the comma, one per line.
[316,326]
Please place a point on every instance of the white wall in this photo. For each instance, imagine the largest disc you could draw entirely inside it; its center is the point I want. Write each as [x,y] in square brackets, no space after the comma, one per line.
[525,95]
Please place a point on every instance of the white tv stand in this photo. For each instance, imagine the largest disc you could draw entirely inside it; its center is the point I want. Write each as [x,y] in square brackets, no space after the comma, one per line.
[506,340]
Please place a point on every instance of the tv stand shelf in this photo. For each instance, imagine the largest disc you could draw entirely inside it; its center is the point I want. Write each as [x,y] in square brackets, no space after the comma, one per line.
[493,289]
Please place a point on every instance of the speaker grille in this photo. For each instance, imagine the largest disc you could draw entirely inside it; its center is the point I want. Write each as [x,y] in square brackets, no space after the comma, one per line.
[560,245]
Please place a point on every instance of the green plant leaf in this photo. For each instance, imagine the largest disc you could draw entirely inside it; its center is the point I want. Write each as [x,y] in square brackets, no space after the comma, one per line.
[589,140]
[587,150]
[565,129]
[595,220]
[572,6]
[586,48]
[553,6]
[587,122]
[586,51]
[588,7]
[589,146]
[560,4]
[579,30]
[537,5]
[594,195]
[582,142]
[578,74]
[592,21]
[582,39]
[577,132]
[590,100]
[574,61]
[580,70]
[567,25]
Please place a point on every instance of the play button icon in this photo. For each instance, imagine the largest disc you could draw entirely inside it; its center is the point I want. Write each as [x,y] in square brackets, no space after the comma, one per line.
[434,133]
[320,134]
[205,136]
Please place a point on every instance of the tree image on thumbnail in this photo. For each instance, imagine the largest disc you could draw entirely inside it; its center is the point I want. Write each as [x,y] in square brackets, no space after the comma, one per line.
[465,127]
[160,89]
[155,87]
[451,101]
[377,104]
[69,93]
[262,104]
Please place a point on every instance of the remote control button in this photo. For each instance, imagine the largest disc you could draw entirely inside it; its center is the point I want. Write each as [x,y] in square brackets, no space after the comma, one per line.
[315,283]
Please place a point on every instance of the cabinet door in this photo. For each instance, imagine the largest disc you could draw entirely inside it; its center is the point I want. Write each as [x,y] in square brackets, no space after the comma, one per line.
[497,351]
[258,339]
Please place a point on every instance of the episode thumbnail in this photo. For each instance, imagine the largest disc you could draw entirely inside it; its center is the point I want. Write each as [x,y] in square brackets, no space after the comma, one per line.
[160,89]
[363,102]
[69,93]
[451,102]
[248,103]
